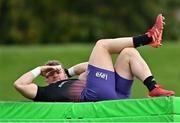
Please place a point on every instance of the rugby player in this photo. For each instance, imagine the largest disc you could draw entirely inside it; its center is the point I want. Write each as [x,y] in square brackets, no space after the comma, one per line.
[99,79]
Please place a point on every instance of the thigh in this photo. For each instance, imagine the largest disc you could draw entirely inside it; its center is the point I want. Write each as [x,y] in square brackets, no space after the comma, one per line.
[123,76]
[100,85]
[123,86]
[101,57]
[122,64]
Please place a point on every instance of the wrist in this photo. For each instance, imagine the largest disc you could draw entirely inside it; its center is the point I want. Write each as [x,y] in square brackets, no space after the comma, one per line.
[71,71]
[67,73]
[36,71]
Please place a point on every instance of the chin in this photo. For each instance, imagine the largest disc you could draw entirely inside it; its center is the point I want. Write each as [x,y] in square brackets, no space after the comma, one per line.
[53,82]
[56,80]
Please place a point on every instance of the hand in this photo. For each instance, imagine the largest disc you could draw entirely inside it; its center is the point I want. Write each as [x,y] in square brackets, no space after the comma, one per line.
[47,69]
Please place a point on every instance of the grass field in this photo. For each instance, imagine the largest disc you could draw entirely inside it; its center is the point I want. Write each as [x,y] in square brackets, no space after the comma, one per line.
[16,60]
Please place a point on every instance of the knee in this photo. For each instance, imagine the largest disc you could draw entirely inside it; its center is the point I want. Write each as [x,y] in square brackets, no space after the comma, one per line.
[129,52]
[102,43]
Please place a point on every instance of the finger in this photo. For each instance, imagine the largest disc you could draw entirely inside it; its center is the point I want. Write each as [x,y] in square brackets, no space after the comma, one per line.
[58,67]
[50,73]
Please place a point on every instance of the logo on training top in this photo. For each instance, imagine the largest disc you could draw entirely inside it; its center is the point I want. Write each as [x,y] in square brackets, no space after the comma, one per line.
[60,85]
[101,75]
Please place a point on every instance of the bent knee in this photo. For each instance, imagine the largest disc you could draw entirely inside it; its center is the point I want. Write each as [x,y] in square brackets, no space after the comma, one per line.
[102,43]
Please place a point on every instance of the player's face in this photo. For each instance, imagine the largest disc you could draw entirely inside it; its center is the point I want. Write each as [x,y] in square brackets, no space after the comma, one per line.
[55,75]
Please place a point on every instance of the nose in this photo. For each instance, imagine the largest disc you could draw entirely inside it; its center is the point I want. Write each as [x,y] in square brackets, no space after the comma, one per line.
[56,75]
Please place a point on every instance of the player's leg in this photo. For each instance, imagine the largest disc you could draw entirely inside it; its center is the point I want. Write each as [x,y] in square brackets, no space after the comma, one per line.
[103,48]
[101,68]
[101,54]
[129,64]
[101,77]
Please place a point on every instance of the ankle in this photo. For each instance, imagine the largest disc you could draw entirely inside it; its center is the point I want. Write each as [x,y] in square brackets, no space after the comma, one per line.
[150,83]
[141,40]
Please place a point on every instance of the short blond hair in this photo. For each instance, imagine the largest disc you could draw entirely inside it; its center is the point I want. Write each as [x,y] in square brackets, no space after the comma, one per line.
[53,63]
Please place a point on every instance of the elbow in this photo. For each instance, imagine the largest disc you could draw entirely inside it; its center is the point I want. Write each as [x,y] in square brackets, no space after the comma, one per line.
[17,85]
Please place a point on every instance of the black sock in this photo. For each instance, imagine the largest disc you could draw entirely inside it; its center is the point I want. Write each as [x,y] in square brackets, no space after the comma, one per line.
[150,83]
[141,40]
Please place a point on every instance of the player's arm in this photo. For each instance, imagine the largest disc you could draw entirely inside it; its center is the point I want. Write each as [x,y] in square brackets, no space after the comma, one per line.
[25,84]
[77,69]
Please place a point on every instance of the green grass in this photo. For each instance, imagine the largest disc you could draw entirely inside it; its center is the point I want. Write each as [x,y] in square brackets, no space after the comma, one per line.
[16,60]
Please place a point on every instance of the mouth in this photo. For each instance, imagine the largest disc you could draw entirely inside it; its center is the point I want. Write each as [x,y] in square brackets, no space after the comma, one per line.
[55,80]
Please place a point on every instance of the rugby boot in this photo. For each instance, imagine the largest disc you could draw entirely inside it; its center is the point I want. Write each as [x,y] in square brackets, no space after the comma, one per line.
[156,32]
[159,91]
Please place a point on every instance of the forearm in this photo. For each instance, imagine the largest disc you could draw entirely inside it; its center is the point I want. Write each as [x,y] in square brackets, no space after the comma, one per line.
[25,79]
[28,77]
[78,69]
